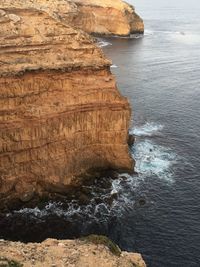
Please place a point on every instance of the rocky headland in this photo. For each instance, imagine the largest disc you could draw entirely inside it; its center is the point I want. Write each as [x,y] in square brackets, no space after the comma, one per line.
[99,17]
[62,116]
[107,17]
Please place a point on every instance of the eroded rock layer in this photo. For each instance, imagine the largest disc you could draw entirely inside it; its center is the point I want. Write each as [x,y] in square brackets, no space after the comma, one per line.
[61,114]
[103,17]
[109,17]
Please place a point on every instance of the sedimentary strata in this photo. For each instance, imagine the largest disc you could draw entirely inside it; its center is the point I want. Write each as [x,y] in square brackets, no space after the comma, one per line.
[102,17]
[61,114]
[107,17]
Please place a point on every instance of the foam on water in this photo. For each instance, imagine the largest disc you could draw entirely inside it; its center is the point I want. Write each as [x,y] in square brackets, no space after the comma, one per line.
[148,129]
[102,43]
[51,208]
[152,159]
[91,211]
[114,66]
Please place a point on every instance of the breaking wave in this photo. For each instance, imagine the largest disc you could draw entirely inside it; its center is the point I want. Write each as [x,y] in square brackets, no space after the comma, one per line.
[154,160]
[102,43]
[106,203]
[114,66]
[148,129]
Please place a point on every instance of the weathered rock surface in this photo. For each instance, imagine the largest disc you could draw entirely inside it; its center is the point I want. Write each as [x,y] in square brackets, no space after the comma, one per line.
[107,17]
[69,253]
[61,114]
[103,17]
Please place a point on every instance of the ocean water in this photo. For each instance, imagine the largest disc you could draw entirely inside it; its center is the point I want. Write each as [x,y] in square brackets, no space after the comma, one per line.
[160,74]
[156,211]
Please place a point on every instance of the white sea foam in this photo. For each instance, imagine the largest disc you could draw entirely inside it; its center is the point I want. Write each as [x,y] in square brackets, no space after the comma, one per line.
[50,208]
[148,129]
[56,208]
[114,66]
[152,159]
[102,43]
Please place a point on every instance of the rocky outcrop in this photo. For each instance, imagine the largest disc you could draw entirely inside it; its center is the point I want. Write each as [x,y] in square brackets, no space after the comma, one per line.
[69,253]
[107,17]
[61,115]
[101,17]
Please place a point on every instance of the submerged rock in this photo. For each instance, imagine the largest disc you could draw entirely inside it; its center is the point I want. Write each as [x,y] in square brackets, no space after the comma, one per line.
[61,114]
[131,139]
[94,251]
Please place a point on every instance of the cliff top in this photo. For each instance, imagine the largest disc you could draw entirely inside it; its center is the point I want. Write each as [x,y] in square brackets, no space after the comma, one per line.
[67,4]
[45,5]
[117,4]
[31,40]
[65,253]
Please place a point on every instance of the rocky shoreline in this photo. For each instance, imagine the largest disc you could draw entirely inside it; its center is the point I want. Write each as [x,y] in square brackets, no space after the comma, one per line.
[62,118]
[98,17]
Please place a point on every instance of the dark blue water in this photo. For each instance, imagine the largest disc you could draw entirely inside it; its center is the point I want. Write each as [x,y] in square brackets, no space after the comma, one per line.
[160,74]
[157,211]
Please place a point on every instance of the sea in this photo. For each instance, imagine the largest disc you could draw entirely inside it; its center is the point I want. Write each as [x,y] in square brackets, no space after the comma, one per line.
[156,211]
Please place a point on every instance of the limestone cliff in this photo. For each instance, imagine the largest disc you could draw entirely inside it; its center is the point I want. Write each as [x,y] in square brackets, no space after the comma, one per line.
[102,17]
[107,17]
[61,114]
[69,253]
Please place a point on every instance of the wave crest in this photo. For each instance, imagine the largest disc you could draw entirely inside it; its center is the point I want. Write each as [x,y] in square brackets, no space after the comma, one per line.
[148,129]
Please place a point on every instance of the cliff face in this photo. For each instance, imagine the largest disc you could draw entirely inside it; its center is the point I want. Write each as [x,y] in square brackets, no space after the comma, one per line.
[61,114]
[107,17]
[70,253]
[103,17]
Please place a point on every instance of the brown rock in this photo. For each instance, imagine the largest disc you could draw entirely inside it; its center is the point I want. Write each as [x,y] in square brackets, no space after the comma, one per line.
[61,114]
[107,17]
[102,17]
[70,253]
[131,139]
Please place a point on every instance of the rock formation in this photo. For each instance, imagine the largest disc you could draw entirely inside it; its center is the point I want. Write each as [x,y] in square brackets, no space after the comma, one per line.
[61,115]
[107,17]
[102,17]
[69,253]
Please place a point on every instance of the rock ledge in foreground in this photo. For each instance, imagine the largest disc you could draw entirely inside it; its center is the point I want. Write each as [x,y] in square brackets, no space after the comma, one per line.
[69,253]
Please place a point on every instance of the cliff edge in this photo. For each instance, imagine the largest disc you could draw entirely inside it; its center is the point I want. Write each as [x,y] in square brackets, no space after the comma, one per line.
[107,17]
[69,253]
[99,17]
[61,114]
